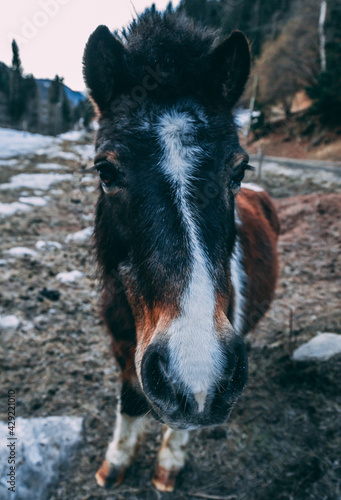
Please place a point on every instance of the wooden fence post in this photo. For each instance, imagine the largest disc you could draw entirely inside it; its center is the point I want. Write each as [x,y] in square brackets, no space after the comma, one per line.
[260,158]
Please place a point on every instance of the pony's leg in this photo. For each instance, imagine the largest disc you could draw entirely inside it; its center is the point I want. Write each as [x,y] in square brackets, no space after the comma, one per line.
[121,450]
[133,404]
[171,458]
[128,430]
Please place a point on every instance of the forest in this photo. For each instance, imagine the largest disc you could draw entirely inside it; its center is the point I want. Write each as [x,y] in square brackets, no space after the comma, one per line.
[296,46]
[39,105]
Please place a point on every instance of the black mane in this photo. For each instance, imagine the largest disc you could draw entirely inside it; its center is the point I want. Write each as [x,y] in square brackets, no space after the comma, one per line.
[173,43]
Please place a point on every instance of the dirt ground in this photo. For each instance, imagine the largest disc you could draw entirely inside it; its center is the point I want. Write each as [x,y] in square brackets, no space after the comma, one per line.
[284,438]
[287,142]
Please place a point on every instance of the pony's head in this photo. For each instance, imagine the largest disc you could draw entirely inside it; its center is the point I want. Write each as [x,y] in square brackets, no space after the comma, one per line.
[170,164]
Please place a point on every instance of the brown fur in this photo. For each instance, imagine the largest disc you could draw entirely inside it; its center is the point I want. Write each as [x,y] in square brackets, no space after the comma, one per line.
[258,234]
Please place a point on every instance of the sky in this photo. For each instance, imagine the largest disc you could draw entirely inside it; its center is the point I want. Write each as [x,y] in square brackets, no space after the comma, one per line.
[51,34]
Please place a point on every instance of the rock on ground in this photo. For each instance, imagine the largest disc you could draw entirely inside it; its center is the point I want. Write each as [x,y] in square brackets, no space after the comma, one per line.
[48,245]
[70,277]
[320,348]
[22,252]
[43,446]
[80,236]
[9,322]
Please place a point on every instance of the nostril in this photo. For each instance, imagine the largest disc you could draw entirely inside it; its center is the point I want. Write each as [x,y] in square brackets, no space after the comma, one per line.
[155,378]
[155,374]
[236,371]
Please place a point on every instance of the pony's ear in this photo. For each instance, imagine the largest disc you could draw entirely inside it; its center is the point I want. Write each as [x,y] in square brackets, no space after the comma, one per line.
[230,66]
[103,66]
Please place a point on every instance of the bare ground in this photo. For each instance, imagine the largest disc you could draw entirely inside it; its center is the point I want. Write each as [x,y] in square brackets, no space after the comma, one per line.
[287,142]
[284,438]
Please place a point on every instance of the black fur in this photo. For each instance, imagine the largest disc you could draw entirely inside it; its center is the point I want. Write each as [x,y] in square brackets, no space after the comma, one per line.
[133,402]
[187,56]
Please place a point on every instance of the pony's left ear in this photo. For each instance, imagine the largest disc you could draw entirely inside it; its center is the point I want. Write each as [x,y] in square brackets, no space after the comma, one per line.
[104,67]
[230,66]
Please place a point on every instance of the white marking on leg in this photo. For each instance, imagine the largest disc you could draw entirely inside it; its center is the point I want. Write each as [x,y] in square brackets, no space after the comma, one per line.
[121,450]
[239,279]
[195,353]
[172,454]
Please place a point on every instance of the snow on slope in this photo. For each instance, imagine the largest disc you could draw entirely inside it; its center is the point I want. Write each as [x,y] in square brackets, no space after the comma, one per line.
[35,181]
[17,143]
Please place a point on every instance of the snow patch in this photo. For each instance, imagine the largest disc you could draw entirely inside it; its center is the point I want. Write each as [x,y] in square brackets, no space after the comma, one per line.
[22,252]
[17,143]
[36,201]
[57,192]
[69,277]
[34,181]
[8,163]
[48,166]
[86,151]
[11,208]
[44,447]
[88,178]
[252,186]
[72,135]
[67,155]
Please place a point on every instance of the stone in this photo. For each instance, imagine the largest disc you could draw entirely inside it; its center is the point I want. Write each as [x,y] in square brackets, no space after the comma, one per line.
[319,348]
[43,446]
[69,277]
[48,245]
[22,252]
[9,322]
[80,236]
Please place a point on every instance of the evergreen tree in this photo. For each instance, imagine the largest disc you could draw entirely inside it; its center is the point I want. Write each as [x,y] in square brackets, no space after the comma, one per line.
[16,62]
[89,112]
[32,103]
[17,100]
[326,93]
[54,106]
[258,19]
[4,79]
[66,112]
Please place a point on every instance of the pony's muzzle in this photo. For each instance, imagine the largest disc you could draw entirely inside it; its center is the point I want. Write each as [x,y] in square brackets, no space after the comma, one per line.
[176,404]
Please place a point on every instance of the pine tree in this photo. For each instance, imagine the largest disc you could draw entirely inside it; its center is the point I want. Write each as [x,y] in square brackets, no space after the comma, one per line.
[32,103]
[54,106]
[17,100]
[66,112]
[326,93]
[16,62]
[89,112]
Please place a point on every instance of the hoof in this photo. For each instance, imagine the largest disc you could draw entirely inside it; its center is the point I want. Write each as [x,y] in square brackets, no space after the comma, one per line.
[107,475]
[164,480]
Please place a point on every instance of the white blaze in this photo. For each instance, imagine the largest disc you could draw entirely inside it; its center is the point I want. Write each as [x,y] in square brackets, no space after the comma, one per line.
[194,349]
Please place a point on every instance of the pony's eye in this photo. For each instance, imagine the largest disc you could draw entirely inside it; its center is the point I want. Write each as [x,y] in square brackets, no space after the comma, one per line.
[238,175]
[109,174]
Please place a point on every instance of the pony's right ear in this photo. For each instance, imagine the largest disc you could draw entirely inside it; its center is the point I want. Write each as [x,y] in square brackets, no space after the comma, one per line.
[103,66]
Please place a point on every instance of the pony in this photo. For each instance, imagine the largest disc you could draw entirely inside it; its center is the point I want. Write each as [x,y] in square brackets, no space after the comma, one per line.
[187,253]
